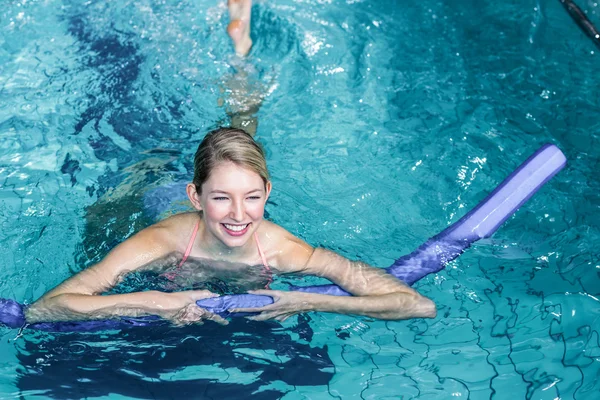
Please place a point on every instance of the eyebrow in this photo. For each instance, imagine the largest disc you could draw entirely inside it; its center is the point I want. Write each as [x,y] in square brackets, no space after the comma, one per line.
[224,192]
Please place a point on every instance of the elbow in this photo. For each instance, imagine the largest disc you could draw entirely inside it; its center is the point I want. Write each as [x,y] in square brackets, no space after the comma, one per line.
[35,312]
[47,308]
[426,308]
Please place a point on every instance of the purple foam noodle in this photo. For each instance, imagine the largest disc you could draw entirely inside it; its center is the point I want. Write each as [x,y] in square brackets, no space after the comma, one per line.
[432,256]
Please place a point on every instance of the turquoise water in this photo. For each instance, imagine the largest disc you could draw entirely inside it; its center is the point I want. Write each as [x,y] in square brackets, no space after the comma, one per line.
[383,123]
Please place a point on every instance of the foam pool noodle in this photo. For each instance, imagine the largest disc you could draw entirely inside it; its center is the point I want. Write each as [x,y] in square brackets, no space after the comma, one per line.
[431,257]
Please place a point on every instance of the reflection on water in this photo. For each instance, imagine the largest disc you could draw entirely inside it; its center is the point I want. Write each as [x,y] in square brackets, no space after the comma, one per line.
[209,361]
[196,274]
[376,136]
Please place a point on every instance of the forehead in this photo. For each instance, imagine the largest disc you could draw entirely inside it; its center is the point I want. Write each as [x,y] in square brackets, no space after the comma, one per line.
[228,176]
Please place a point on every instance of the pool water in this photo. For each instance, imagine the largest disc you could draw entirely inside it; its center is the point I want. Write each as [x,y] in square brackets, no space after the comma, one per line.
[383,122]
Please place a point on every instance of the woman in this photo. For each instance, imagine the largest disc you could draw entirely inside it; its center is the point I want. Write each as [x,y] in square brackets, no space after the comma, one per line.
[229,190]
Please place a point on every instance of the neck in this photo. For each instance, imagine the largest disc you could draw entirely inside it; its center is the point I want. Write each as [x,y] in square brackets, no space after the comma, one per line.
[216,250]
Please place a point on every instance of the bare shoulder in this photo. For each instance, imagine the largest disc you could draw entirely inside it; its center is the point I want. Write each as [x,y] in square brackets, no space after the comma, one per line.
[173,231]
[288,252]
[186,218]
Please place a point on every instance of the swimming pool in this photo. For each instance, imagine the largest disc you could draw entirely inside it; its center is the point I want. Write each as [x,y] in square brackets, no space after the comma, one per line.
[383,123]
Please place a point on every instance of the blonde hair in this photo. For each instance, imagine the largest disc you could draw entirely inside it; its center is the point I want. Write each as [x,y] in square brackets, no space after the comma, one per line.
[228,144]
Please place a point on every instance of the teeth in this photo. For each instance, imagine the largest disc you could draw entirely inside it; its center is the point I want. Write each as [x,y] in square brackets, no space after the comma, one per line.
[235,228]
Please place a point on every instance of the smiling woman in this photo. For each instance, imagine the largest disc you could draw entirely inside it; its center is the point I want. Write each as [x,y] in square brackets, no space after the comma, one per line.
[229,191]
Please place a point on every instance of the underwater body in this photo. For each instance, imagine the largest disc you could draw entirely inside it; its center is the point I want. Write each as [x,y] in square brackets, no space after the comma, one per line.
[383,122]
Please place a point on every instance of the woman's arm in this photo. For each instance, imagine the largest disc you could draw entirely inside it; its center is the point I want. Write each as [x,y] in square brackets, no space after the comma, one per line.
[78,297]
[376,293]
[170,306]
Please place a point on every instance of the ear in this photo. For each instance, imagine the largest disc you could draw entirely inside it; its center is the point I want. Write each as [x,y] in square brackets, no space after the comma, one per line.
[268,188]
[193,195]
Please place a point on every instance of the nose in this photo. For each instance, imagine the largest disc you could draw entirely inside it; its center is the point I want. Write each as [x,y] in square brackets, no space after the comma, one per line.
[237,211]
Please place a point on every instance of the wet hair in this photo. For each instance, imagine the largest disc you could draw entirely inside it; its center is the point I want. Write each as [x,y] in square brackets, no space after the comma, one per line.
[228,144]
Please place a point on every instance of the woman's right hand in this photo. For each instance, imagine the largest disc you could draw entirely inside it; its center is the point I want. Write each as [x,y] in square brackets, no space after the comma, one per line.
[180,308]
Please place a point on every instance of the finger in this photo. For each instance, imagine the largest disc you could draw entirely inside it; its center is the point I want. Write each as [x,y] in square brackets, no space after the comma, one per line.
[218,319]
[269,316]
[194,318]
[191,318]
[282,318]
[183,323]
[259,317]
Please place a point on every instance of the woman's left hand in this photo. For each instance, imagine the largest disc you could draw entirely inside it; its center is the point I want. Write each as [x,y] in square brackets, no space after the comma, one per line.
[285,304]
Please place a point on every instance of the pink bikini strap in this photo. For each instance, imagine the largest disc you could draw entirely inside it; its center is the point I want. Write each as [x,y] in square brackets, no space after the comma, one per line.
[190,244]
[193,238]
[264,260]
[262,254]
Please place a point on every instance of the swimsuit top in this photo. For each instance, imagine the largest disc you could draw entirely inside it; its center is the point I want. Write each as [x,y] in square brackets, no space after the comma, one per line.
[188,250]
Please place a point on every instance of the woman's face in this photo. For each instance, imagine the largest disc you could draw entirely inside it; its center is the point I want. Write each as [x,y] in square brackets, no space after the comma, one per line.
[233,203]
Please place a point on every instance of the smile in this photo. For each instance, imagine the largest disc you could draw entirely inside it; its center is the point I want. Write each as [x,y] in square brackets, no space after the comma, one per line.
[236,230]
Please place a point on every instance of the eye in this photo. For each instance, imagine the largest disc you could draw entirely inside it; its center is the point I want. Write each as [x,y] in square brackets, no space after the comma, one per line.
[220,198]
[254,197]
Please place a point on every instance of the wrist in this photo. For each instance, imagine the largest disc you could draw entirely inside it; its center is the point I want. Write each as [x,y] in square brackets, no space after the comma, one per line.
[309,302]
[161,302]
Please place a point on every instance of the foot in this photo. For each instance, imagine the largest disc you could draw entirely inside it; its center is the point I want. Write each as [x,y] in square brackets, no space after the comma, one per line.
[239,27]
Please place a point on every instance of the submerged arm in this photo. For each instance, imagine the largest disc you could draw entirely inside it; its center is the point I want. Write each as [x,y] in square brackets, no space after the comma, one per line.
[376,293]
[79,298]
